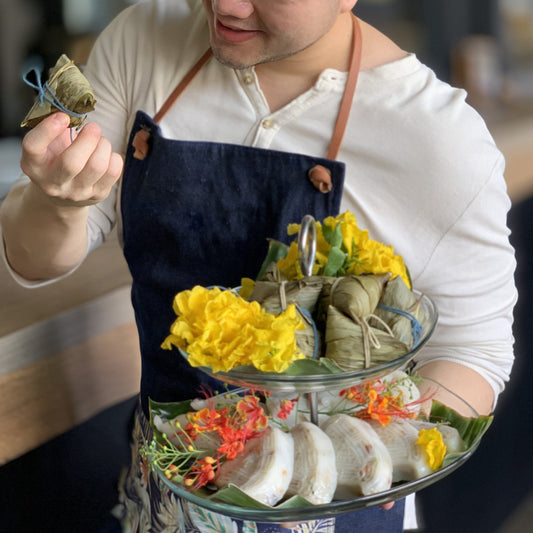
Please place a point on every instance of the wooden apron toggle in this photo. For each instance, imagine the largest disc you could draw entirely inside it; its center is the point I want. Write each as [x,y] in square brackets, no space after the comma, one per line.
[140,143]
[320,177]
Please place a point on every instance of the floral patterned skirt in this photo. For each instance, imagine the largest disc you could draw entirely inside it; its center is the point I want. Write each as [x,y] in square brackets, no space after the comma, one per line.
[147,505]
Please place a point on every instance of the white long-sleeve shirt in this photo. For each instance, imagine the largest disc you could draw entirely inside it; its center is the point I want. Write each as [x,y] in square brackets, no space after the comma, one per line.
[422,171]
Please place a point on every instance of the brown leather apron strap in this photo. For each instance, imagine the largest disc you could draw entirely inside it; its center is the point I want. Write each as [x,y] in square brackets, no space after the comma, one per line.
[320,179]
[319,175]
[182,86]
[349,91]
[142,137]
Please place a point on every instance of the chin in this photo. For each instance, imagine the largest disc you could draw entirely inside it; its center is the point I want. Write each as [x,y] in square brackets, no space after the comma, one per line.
[229,60]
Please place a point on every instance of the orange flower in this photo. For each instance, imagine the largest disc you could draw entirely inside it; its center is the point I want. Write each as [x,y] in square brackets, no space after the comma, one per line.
[286,408]
[377,407]
[201,473]
[207,419]
[235,422]
[252,414]
[231,449]
[380,401]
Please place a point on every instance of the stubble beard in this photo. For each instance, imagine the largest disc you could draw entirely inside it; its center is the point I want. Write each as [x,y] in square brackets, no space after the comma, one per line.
[262,58]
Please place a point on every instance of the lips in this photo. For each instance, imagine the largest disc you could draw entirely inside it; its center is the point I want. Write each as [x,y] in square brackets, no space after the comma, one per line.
[233,35]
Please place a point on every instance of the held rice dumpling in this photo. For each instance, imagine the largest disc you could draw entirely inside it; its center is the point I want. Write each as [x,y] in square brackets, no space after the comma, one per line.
[72,92]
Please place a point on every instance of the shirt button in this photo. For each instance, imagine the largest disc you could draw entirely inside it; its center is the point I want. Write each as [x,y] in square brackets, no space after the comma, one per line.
[248,79]
[267,123]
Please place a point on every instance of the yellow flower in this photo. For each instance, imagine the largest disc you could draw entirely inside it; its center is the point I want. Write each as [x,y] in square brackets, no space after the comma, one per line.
[351,234]
[289,266]
[433,446]
[219,329]
[247,287]
[362,255]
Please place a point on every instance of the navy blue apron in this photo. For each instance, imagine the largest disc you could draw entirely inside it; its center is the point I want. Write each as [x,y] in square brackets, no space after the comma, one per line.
[200,213]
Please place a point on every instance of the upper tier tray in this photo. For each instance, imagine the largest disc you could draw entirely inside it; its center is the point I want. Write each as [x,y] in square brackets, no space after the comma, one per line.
[287,382]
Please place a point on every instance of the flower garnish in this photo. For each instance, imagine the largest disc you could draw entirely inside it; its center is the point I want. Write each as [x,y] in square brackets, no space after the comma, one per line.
[433,445]
[201,473]
[234,421]
[344,249]
[285,408]
[381,400]
[219,329]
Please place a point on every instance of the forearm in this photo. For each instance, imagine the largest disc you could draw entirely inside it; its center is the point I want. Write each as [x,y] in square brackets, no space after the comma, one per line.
[43,239]
[461,380]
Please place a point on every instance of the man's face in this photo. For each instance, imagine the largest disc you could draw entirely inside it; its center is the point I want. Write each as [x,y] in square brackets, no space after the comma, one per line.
[249,32]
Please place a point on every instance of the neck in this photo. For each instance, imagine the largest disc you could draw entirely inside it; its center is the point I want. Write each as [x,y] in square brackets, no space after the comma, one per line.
[283,80]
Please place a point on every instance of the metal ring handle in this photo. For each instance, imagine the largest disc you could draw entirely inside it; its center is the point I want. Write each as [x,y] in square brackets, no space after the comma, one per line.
[307,245]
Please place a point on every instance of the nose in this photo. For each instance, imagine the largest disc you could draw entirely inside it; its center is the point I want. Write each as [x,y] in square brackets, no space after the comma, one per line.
[233,8]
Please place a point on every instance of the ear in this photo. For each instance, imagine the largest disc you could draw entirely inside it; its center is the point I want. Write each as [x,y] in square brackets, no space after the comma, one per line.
[347,5]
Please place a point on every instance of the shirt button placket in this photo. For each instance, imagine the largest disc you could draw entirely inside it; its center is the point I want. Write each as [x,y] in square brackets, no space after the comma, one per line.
[248,79]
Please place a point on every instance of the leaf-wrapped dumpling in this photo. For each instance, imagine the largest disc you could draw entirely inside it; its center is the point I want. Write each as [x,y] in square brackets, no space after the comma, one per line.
[72,90]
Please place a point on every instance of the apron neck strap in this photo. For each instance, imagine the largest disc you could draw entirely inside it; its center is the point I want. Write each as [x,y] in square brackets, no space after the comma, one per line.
[182,86]
[349,91]
[344,109]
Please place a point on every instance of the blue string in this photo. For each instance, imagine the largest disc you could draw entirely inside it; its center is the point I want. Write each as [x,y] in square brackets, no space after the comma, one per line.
[45,93]
[417,327]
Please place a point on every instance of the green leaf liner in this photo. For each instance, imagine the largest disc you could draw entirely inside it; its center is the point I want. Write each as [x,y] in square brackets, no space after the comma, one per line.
[335,262]
[305,367]
[471,431]
[276,250]
[167,411]
[300,367]
[235,496]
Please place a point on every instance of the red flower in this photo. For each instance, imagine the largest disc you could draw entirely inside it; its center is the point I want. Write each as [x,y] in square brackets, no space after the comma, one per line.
[231,449]
[380,401]
[285,409]
[201,473]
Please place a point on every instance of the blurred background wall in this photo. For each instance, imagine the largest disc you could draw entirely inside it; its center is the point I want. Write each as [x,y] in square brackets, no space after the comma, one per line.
[484,44]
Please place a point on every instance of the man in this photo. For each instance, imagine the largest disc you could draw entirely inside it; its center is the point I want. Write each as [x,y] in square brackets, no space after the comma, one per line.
[224,163]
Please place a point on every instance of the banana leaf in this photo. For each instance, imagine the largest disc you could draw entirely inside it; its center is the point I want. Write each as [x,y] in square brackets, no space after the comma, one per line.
[358,296]
[307,340]
[72,90]
[300,367]
[276,251]
[234,496]
[471,429]
[167,411]
[274,296]
[347,343]
[396,295]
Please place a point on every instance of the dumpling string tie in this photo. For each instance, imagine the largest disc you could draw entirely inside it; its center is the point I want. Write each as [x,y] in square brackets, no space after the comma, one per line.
[416,325]
[44,92]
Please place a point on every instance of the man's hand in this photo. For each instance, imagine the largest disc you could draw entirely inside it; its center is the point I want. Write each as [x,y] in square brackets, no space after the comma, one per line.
[44,223]
[71,173]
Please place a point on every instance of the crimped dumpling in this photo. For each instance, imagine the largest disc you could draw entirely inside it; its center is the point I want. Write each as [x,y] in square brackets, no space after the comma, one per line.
[264,469]
[408,459]
[315,472]
[364,465]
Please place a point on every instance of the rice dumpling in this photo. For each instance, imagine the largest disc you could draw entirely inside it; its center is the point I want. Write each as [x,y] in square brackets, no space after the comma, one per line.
[72,91]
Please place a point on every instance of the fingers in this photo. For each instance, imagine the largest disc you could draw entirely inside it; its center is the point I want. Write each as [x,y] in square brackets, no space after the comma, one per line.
[36,143]
[81,171]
